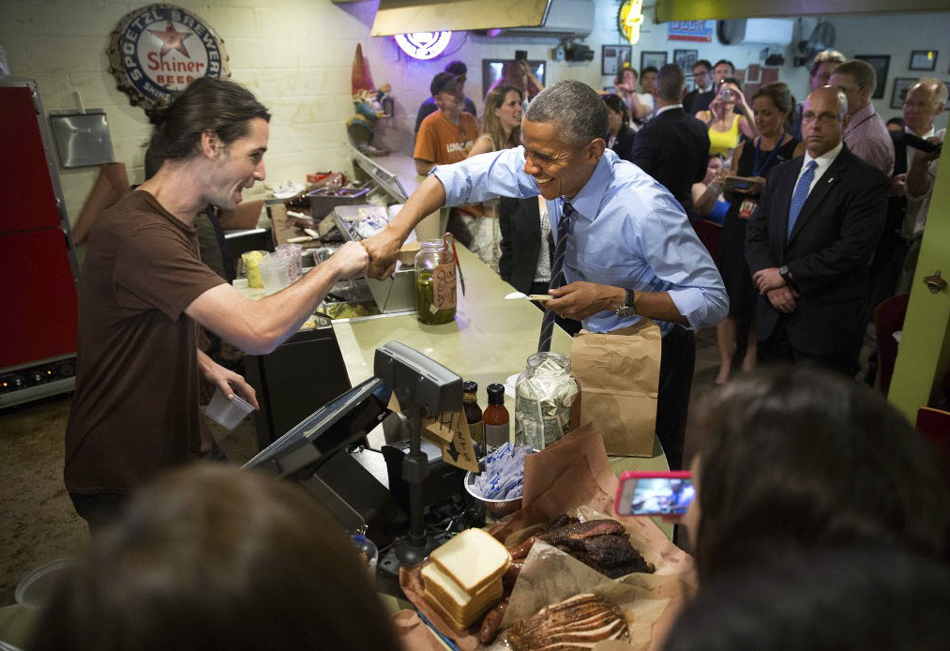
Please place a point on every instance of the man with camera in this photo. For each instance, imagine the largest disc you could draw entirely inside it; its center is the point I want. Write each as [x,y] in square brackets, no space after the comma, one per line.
[916,150]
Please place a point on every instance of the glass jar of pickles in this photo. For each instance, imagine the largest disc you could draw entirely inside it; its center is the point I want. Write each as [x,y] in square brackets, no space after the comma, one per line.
[435,283]
[544,394]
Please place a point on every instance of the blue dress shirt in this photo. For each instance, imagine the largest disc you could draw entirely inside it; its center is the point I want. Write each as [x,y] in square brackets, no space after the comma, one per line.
[628,231]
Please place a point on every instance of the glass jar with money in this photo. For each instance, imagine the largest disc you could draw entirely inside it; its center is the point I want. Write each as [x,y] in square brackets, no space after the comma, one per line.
[544,394]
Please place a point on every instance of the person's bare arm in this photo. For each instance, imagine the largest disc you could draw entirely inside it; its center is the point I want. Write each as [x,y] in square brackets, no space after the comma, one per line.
[258,327]
[748,127]
[579,300]
[228,381]
[705,197]
[534,85]
[483,145]
[918,177]
[640,110]
[423,167]
[384,246]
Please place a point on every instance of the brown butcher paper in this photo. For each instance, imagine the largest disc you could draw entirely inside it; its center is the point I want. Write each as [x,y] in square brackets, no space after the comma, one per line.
[620,373]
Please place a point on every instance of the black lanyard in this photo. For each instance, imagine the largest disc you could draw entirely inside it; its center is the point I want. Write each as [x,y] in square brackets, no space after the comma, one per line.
[756,170]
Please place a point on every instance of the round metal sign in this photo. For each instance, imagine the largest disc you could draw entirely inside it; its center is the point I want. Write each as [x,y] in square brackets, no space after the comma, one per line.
[156,51]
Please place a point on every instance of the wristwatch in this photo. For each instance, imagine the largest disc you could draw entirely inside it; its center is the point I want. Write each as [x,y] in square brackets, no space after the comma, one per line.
[786,275]
[629,308]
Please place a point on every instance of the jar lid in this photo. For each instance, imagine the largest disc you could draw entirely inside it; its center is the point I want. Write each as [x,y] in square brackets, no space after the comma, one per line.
[469,387]
[496,394]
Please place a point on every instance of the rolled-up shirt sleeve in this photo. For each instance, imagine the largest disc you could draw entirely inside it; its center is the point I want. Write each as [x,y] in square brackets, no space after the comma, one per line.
[484,177]
[674,252]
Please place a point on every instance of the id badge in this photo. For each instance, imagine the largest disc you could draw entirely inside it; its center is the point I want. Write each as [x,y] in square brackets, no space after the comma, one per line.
[747,207]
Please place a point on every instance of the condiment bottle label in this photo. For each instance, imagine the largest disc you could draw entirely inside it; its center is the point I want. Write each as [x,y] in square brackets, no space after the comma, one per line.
[444,286]
[497,435]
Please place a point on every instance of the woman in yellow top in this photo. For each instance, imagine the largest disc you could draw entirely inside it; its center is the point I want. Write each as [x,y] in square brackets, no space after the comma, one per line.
[724,122]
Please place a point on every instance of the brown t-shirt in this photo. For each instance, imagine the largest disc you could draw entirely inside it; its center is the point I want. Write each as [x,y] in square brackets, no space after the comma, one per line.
[441,142]
[135,411]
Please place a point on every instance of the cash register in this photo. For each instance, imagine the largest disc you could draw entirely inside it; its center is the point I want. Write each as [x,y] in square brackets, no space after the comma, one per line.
[328,454]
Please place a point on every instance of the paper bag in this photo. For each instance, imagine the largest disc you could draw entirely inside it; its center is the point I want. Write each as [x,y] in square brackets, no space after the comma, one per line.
[620,373]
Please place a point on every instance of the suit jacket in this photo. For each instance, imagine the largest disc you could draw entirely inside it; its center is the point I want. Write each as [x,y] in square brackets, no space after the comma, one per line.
[701,102]
[624,145]
[828,252]
[673,148]
[520,224]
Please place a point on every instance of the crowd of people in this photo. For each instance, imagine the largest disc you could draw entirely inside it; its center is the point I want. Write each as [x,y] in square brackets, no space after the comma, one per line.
[714,148]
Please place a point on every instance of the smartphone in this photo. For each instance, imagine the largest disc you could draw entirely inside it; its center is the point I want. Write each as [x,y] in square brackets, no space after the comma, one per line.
[521,55]
[922,144]
[735,183]
[654,493]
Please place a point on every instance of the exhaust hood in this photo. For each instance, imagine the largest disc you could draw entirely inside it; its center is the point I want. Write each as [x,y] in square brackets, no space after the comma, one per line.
[408,16]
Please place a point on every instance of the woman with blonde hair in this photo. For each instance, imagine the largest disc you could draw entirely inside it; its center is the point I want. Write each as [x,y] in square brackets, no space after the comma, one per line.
[501,129]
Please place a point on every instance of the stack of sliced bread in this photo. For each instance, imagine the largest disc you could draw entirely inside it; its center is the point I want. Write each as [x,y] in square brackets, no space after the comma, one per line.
[463,578]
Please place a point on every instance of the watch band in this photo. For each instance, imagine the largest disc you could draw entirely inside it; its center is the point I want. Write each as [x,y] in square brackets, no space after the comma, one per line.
[629,308]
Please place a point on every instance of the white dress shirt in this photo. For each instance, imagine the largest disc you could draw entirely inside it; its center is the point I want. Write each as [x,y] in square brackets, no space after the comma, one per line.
[824,162]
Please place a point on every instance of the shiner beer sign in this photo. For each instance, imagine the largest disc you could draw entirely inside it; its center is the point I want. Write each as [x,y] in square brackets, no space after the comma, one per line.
[156,51]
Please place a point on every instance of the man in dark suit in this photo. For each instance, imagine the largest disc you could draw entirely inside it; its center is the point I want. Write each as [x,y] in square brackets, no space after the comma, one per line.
[810,241]
[673,147]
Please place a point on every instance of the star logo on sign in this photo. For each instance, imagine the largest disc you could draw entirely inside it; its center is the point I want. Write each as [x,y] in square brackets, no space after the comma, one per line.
[171,40]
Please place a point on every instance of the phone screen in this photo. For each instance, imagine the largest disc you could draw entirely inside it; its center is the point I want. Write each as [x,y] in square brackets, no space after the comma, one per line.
[661,496]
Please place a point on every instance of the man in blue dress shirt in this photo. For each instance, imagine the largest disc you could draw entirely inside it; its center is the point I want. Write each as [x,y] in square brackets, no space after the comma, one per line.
[630,250]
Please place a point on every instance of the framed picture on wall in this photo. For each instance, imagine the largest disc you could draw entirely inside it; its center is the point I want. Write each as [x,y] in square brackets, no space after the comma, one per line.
[923,60]
[491,71]
[685,59]
[901,84]
[613,58]
[880,63]
[655,59]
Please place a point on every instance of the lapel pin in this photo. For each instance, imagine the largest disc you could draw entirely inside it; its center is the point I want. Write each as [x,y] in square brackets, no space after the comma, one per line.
[831,179]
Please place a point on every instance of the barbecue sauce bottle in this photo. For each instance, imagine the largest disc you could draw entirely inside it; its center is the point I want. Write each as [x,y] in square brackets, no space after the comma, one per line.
[496,418]
[473,413]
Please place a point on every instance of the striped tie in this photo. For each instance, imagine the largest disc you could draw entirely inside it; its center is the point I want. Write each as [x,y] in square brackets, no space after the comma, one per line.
[557,275]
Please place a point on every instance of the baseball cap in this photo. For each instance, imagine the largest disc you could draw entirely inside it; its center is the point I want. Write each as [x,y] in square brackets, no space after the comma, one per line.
[441,82]
[457,68]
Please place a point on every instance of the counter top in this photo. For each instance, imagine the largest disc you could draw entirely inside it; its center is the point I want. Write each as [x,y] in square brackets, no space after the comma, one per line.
[490,339]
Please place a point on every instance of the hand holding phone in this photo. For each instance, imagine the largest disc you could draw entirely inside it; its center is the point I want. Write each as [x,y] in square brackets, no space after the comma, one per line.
[654,493]
[521,55]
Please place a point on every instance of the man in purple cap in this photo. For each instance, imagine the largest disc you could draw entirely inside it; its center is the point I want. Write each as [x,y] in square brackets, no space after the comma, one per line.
[459,71]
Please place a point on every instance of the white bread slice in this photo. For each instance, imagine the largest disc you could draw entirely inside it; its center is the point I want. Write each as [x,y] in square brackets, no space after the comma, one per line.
[473,559]
[472,612]
[444,588]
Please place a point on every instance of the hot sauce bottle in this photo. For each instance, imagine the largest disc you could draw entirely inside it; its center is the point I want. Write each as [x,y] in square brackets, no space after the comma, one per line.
[473,413]
[496,417]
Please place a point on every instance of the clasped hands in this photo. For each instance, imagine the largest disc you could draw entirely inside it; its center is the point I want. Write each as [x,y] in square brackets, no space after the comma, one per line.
[771,284]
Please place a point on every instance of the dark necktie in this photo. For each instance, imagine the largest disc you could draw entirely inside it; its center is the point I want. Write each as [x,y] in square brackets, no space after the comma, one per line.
[800,195]
[557,275]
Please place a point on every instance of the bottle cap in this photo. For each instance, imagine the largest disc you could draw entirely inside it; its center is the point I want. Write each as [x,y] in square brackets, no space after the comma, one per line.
[469,387]
[496,394]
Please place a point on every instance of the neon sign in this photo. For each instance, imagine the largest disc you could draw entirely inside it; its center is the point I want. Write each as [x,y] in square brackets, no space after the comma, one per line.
[423,45]
[629,20]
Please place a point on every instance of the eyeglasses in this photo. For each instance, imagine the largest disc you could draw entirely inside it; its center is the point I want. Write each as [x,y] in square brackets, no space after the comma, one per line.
[824,118]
